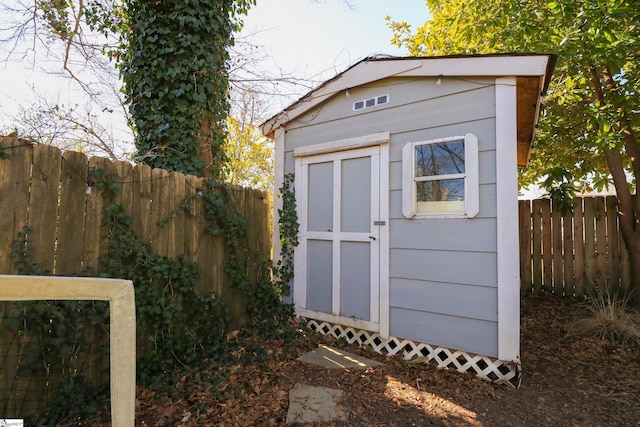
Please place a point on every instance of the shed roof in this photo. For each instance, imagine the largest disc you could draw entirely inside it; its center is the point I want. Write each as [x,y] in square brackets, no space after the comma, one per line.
[532,72]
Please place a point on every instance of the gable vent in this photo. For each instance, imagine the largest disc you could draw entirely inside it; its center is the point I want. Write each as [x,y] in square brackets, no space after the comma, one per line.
[370,102]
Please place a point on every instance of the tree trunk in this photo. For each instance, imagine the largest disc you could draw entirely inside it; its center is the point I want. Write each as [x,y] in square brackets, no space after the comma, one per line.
[205,146]
[628,205]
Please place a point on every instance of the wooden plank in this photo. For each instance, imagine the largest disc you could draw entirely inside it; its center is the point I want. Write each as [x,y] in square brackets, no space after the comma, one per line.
[524,220]
[71,219]
[43,206]
[95,240]
[625,261]
[192,217]
[547,251]
[123,176]
[6,220]
[613,244]
[141,202]
[15,209]
[211,256]
[15,395]
[120,294]
[589,246]
[175,221]
[557,259]
[237,311]
[601,243]
[12,348]
[536,257]
[159,212]
[578,247]
[625,266]
[568,255]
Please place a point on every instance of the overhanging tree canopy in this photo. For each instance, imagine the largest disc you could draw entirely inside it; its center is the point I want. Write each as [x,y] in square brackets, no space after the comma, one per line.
[588,134]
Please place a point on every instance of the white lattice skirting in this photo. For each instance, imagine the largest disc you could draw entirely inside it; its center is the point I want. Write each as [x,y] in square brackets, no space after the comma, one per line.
[508,373]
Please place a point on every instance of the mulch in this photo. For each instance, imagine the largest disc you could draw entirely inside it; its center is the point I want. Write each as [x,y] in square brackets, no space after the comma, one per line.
[567,381]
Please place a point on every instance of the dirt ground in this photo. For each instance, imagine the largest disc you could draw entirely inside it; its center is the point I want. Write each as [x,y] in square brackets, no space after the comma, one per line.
[567,381]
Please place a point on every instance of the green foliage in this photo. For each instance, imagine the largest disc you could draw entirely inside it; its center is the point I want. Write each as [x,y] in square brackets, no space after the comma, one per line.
[21,254]
[166,301]
[592,101]
[57,339]
[589,131]
[289,230]
[249,156]
[264,307]
[62,336]
[3,154]
[176,80]
[75,398]
[170,343]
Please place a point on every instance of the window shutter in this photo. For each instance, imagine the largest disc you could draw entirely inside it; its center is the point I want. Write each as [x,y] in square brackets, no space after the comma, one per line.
[407,181]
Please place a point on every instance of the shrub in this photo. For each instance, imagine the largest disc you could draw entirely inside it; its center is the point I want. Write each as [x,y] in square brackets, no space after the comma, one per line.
[611,318]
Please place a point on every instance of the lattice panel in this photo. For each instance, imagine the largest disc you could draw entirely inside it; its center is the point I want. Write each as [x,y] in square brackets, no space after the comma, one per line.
[497,371]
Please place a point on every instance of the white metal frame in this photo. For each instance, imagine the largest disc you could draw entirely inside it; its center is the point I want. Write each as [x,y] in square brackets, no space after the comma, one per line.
[122,331]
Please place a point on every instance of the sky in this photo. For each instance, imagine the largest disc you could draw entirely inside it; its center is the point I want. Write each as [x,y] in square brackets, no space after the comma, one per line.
[312,36]
[303,38]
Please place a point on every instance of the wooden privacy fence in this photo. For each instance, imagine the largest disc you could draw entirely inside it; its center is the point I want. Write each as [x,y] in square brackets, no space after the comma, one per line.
[573,253]
[55,195]
[58,198]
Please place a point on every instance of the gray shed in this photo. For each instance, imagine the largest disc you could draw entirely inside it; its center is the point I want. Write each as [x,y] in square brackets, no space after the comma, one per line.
[406,191]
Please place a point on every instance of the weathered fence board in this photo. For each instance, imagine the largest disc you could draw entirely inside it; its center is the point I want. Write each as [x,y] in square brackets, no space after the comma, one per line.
[568,255]
[526,250]
[45,182]
[141,203]
[576,252]
[613,252]
[73,192]
[578,247]
[14,215]
[556,247]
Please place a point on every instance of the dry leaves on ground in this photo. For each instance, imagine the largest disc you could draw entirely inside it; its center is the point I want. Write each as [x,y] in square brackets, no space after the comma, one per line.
[567,381]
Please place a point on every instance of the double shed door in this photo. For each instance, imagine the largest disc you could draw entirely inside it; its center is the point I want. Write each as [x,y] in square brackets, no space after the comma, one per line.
[342,209]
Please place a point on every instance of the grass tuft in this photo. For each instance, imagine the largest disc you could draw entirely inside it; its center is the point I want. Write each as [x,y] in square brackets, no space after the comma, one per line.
[611,318]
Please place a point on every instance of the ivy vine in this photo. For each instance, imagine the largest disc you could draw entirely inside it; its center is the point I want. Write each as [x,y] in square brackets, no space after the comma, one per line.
[289,229]
[263,297]
[173,63]
[166,299]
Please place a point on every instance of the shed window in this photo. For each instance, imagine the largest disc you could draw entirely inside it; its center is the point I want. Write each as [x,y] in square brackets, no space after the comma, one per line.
[440,178]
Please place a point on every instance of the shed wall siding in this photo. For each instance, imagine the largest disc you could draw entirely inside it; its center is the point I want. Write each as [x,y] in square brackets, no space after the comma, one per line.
[443,272]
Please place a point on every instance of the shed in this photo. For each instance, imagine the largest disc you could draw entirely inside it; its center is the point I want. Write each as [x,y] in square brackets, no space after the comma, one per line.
[405,176]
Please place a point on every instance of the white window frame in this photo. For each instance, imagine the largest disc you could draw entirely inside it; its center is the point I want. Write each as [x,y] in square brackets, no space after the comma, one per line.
[471,179]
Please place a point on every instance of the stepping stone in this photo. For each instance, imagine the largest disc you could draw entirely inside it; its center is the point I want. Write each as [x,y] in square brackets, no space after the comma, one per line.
[310,404]
[329,357]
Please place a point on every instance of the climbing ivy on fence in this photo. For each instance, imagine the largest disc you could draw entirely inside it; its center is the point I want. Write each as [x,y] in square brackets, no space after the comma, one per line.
[166,299]
[263,297]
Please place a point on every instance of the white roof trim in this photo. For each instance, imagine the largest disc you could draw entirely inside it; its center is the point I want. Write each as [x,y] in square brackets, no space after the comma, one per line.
[368,71]
[342,144]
